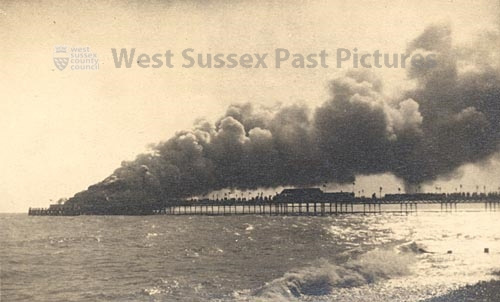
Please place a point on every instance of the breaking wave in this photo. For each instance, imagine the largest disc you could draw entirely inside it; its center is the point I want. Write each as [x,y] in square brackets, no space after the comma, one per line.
[414,247]
[323,277]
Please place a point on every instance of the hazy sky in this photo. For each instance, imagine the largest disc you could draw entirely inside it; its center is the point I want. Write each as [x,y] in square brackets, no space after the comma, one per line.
[62,131]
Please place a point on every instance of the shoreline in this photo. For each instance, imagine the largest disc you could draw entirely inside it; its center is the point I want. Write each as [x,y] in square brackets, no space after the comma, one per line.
[484,291]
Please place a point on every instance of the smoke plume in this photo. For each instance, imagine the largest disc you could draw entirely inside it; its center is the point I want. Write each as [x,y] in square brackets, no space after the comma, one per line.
[452,117]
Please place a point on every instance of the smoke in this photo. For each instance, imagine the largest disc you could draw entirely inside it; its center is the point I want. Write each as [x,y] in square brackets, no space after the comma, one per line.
[460,103]
[452,117]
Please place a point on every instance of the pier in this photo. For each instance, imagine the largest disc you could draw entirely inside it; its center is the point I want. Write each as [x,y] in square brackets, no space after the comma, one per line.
[273,207]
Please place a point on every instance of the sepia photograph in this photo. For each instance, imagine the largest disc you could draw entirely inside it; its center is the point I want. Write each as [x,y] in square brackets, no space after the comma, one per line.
[302,150]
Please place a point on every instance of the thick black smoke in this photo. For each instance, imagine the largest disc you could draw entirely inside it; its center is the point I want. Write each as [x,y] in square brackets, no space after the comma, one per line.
[460,104]
[452,117]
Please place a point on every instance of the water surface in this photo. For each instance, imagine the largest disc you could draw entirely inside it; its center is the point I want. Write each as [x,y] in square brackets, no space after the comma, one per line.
[384,257]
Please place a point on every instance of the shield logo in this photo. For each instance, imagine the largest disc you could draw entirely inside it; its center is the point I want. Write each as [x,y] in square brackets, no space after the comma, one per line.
[61,58]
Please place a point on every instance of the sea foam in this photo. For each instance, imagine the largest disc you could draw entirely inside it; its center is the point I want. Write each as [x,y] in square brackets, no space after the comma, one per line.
[323,278]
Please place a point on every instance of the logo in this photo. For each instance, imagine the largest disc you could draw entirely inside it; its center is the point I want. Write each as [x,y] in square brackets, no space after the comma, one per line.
[61,57]
[80,58]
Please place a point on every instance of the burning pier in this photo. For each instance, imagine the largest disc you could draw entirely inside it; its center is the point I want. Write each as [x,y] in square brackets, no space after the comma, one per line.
[309,201]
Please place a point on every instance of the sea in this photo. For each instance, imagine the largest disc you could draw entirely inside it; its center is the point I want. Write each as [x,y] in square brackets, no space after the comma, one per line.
[349,257]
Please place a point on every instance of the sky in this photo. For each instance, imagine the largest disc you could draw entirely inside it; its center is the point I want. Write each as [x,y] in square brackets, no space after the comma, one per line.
[62,131]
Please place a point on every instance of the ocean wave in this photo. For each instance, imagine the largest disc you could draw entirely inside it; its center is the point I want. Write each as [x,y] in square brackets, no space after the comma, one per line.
[414,247]
[323,278]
